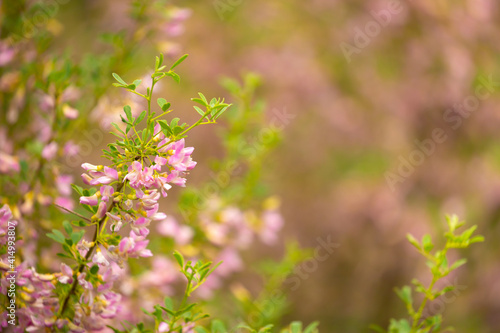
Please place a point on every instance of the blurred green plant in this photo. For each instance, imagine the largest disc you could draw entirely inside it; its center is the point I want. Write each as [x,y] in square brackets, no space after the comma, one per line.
[439,267]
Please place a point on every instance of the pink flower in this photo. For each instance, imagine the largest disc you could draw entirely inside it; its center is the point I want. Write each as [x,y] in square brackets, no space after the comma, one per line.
[138,177]
[163,327]
[49,151]
[140,226]
[106,192]
[84,283]
[63,184]
[86,178]
[181,157]
[159,162]
[273,222]
[8,163]
[108,176]
[69,112]
[90,200]
[70,149]
[66,274]
[99,259]
[134,246]
[99,175]
[117,222]
[101,210]
[89,167]
[169,227]
[64,202]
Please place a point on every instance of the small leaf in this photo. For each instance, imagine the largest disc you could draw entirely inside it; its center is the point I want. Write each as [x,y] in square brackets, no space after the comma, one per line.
[217,327]
[179,258]
[405,294]
[67,227]
[78,189]
[296,327]
[137,83]
[476,239]
[169,304]
[175,76]
[118,128]
[458,263]
[200,111]
[128,112]
[181,59]
[312,327]
[427,243]
[94,269]
[119,79]
[57,236]
[199,101]
[164,105]
[141,117]
[77,236]
[199,329]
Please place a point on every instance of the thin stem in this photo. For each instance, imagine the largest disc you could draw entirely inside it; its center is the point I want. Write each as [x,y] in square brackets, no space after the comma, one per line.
[199,122]
[138,93]
[163,114]
[87,256]
[417,316]
[72,212]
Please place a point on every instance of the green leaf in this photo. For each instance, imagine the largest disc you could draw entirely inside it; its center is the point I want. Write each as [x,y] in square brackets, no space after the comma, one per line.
[78,189]
[402,326]
[458,263]
[128,112]
[67,227]
[266,329]
[199,329]
[174,122]
[169,304]
[199,101]
[119,79]
[159,61]
[141,117]
[296,327]
[427,243]
[175,76]
[200,111]
[476,239]
[217,327]
[94,269]
[57,236]
[77,236]
[179,258]
[219,113]
[163,104]
[203,98]
[313,327]
[405,294]
[118,128]
[181,59]
[137,83]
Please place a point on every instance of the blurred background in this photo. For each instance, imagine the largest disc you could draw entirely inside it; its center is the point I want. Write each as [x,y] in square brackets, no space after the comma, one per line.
[388,110]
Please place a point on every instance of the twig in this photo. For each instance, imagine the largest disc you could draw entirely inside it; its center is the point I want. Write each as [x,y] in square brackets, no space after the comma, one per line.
[72,212]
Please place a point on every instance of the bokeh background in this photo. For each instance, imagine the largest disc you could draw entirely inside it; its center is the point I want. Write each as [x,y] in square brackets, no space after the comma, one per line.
[360,97]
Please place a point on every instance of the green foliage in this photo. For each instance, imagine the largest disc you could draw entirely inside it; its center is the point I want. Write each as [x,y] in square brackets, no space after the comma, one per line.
[439,267]
[135,143]
[176,316]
